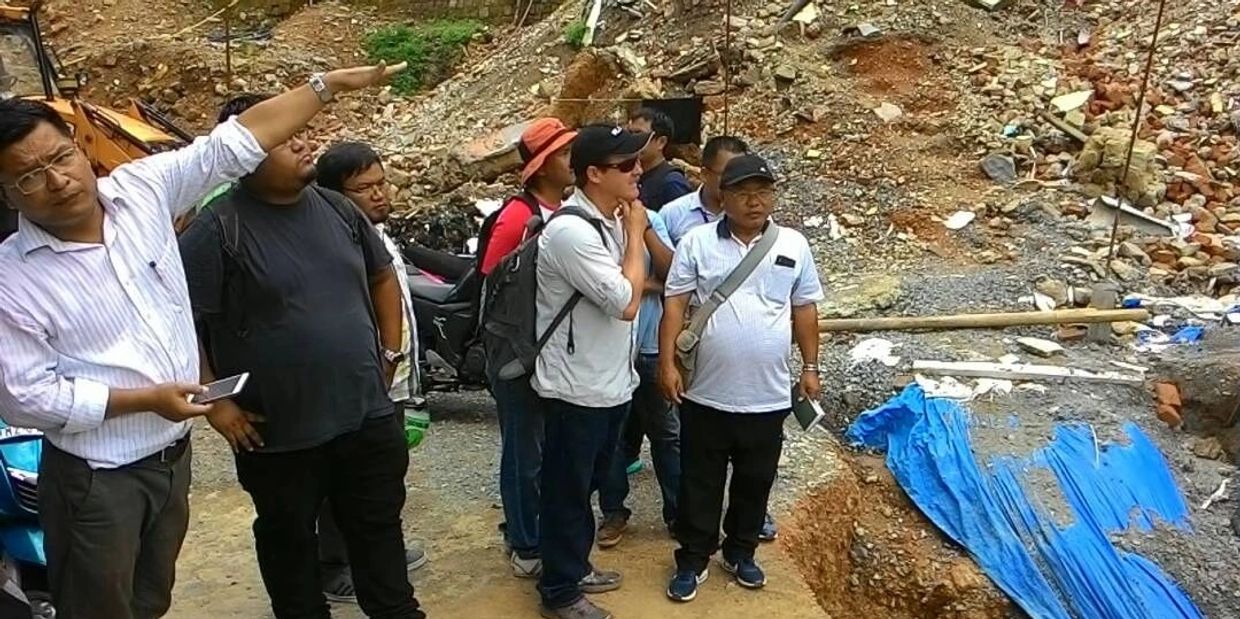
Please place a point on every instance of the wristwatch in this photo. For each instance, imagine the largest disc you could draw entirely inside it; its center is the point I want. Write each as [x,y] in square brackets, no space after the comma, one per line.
[393,357]
[319,86]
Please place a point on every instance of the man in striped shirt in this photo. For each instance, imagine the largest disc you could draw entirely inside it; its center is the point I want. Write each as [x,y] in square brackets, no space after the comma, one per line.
[99,345]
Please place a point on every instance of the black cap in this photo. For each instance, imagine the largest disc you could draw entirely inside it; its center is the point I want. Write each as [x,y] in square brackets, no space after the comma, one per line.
[744,167]
[596,144]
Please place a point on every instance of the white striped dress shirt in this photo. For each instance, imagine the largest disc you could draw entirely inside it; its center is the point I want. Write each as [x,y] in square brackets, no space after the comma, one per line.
[78,319]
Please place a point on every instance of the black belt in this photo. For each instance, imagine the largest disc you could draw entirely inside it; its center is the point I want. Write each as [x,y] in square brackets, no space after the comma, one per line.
[171,453]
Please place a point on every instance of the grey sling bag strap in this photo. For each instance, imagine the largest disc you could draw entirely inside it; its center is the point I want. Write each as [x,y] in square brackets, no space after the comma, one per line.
[687,341]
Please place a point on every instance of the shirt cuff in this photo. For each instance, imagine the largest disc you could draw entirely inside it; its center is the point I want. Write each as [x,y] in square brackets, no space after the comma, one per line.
[242,143]
[90,406]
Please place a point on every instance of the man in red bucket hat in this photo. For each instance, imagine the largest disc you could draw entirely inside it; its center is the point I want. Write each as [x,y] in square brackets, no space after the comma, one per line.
[544,148]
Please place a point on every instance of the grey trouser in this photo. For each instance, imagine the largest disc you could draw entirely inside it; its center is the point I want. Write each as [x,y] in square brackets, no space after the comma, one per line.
[113,535]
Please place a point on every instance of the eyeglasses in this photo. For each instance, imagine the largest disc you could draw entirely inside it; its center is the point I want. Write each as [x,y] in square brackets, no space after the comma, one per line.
[367,187]
[765,195]
[36,179]
[624,166]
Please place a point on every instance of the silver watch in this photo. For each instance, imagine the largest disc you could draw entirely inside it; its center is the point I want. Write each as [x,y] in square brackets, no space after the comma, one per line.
[319,86]
[393,357]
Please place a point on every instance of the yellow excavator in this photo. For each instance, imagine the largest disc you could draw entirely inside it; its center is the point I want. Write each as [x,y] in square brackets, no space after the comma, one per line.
[30,69]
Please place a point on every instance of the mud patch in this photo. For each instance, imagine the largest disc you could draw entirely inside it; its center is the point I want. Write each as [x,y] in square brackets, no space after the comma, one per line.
[866,551]
[904,68]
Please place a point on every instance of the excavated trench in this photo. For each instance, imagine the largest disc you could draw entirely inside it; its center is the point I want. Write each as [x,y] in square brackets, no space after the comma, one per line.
[1208,381]
[866,551]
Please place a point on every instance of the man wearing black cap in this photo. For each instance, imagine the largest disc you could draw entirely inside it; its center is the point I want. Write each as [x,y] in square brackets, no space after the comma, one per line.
[733,406]
[583,374]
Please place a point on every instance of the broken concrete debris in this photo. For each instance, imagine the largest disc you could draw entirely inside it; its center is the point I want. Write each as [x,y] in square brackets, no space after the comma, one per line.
[888,112]
[1000,168]
[1039,346]
[1022,371]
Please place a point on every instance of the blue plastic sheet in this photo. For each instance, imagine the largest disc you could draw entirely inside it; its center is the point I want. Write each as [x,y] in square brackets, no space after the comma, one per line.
[1050,571]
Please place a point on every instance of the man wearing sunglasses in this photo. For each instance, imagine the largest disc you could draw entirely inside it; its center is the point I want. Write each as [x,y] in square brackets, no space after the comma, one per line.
[593,250]
[290,283]
[98,344]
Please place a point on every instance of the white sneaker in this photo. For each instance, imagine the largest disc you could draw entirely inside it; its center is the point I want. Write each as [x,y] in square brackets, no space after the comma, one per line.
[525,568]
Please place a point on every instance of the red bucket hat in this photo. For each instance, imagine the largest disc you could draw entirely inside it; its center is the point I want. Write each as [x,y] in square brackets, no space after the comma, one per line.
[540,140]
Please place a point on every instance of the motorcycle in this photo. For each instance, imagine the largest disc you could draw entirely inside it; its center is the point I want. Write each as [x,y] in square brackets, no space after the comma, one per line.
[446,290]
[23,564]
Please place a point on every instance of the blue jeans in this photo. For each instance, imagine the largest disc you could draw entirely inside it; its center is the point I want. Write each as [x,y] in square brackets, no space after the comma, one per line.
[661,423]
[521,439]
[581,442]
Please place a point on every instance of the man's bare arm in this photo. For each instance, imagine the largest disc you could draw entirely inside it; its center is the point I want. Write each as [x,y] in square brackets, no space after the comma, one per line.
[277,119]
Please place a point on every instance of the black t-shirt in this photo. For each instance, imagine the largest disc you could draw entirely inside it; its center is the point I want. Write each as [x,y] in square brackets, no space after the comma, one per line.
[307,336]
[8,221]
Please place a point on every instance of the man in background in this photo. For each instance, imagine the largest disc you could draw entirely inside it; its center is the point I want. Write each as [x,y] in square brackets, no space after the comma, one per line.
[545,175]
[705,205]
[355,170]
[661,182]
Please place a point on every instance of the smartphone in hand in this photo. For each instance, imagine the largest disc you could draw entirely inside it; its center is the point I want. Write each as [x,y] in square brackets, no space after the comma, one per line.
[221,389]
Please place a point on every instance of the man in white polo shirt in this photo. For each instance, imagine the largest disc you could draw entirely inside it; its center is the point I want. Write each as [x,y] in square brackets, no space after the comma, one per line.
[733,408]
[584,373]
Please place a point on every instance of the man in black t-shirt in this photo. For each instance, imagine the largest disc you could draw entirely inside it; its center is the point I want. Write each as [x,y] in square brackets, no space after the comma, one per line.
[290,283]
[661,182]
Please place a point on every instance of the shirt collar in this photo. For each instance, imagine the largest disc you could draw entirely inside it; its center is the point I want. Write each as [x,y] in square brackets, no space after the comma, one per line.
[724,231]
[580,200]
[31,237]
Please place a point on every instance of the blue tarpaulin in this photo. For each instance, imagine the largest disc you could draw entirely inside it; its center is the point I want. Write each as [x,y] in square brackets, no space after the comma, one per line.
[1049,570]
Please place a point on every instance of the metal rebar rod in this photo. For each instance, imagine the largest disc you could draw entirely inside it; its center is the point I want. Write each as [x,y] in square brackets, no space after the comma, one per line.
[727,60]
[1136,126]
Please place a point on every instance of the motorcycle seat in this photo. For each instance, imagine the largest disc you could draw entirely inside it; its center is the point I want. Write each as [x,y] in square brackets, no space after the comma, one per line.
[432,290]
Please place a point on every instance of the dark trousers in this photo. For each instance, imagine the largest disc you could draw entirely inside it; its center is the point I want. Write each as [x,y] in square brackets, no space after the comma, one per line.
[521,421]
[581,442]
[112,536]
[653,417]
[362,473]
[710,440]
[333,552]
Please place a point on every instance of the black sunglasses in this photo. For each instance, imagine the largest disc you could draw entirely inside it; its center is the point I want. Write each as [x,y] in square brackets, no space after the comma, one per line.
[624,166]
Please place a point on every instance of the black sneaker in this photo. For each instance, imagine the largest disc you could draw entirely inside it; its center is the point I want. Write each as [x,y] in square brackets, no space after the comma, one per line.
[747,572]
[769,532]
[684,585]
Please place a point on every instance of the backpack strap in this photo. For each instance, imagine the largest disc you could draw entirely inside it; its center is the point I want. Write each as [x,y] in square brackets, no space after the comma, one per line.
[224,210]
[576,297]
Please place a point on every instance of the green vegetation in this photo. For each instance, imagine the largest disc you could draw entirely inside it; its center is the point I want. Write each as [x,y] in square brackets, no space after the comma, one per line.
[432,49]
[575,34]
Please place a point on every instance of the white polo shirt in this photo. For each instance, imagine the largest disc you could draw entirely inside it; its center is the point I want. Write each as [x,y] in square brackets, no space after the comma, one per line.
[742,359]
[593,367]
[686,213]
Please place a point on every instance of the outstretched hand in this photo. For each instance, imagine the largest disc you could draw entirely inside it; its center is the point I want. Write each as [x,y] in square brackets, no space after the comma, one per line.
[359,78]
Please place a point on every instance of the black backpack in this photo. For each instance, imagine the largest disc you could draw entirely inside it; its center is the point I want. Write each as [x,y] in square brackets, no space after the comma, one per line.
[510,312]
[236,266]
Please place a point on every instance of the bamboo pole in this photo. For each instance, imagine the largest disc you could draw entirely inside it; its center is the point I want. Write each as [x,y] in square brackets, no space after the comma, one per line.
[982,321]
